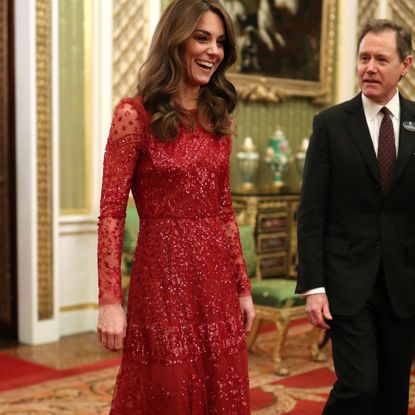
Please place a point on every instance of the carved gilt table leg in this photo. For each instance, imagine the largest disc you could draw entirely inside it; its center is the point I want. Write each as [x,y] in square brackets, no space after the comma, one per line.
[282,328]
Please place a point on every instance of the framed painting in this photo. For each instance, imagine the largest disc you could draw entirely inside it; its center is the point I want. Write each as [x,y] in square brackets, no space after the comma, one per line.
[285,48]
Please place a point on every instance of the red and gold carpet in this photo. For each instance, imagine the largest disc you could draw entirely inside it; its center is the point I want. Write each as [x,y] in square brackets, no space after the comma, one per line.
[29,388]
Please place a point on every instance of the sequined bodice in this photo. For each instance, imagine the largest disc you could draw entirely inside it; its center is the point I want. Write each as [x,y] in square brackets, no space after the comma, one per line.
[184,178]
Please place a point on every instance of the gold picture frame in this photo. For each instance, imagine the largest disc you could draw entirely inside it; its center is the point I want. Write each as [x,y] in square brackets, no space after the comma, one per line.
[257,86]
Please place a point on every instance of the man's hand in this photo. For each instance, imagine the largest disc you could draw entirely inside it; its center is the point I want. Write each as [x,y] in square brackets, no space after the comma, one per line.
[111,326]
[317,309]
[248,311]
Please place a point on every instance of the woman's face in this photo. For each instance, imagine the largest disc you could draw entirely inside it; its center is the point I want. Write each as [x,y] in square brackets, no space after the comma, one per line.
[204,50]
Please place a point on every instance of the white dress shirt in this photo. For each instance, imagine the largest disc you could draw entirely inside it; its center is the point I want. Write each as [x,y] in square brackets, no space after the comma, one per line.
[374,117]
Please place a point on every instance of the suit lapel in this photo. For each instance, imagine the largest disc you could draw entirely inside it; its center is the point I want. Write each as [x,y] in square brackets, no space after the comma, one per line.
[406,138]
[356,125]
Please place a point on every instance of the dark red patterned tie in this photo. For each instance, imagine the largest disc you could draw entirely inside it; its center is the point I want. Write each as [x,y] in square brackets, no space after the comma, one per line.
[386,151]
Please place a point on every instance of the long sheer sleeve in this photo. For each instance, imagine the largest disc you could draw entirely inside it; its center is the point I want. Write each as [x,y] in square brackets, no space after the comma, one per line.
[231,231]
[122,152]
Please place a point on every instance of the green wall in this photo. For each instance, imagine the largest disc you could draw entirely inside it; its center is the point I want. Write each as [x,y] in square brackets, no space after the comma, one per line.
[259,120]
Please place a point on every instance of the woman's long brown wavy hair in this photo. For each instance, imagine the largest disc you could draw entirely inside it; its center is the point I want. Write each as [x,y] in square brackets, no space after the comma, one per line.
[161,75]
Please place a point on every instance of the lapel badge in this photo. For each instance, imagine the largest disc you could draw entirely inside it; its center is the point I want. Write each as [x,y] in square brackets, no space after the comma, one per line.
[409,125]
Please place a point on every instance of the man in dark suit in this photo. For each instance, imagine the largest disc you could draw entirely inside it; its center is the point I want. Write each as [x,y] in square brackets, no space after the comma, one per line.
[356,230]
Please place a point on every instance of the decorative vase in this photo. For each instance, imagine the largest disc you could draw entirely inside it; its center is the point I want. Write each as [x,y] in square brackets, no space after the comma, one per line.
[300,157]
[248,159]
[277,156]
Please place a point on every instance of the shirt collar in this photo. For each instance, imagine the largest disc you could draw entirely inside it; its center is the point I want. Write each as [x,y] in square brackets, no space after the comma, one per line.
[371,109]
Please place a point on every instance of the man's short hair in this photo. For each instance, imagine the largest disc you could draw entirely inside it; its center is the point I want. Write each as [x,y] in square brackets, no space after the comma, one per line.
[403,36]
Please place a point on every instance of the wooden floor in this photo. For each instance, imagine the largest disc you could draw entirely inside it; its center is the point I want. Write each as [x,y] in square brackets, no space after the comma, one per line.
[7,343]
[68,352]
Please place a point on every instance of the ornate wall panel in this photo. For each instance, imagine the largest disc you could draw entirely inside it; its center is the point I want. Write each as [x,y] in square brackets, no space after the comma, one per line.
[74,87]
[403,12]
[44,158]
[368,9]
[130,44]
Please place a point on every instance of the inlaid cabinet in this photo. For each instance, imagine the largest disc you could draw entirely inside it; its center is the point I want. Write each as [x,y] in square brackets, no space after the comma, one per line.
[273,220]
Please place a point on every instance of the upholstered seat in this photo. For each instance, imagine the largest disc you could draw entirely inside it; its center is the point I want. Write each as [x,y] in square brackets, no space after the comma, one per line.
[275,292]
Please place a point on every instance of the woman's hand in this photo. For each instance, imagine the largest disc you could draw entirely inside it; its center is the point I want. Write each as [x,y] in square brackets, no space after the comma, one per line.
[248,311]
[111,326]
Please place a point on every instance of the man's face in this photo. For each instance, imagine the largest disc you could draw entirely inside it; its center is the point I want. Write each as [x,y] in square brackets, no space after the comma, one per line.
[379,68]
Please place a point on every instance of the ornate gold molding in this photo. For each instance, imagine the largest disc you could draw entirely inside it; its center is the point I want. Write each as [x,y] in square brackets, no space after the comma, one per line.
[261,88]
[44,158]
[130,43]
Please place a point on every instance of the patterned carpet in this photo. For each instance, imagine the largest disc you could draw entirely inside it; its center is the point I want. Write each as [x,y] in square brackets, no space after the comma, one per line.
[303,392]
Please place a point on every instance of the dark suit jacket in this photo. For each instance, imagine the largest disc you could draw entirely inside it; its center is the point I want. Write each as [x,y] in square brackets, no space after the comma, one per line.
[346,227]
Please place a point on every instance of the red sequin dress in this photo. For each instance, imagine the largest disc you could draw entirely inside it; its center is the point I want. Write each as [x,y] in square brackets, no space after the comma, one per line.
[185,350]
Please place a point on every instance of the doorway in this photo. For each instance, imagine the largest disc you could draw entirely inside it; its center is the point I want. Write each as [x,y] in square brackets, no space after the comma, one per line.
[8,263]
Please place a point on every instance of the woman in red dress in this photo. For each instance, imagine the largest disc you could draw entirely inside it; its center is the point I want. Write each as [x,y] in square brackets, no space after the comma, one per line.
[190,305]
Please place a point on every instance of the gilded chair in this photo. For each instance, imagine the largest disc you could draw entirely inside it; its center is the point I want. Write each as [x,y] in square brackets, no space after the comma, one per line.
[275,301]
